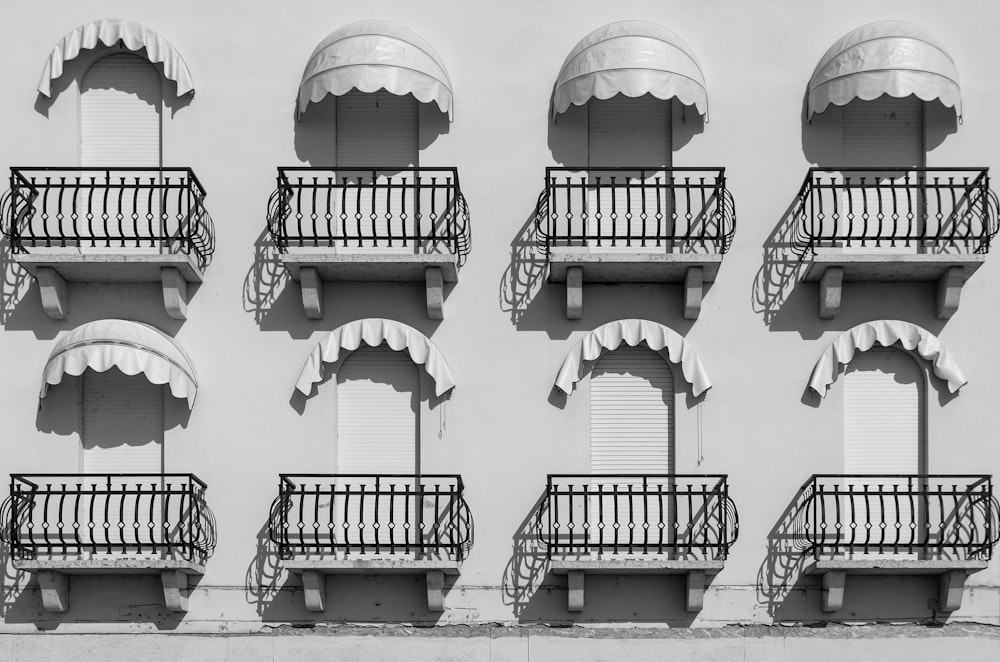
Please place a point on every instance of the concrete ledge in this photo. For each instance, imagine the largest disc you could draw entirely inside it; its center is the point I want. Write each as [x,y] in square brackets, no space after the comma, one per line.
[634,267]
[314,571]
[121,267]
[697,575]
[53,576]
[367,267]
[951,583]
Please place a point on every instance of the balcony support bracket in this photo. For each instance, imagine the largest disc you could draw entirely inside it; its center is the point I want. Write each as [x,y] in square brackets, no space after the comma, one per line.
[175,590]
[435,590]
[834,582]
[574,294]
[175,293]
[949,290]
[54,587]
[694,290]
[434,279]
[574,585]
[831,288]
[951,585]
[314,589]
[312,292]
[695,597]
[54,291]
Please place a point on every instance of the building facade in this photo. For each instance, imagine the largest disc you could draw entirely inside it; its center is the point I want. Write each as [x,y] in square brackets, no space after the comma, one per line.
[499,330]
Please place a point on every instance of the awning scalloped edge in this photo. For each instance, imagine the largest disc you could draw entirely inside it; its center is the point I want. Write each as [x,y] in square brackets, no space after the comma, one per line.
[373,332]
[632,332]
[110,31]
[886,333]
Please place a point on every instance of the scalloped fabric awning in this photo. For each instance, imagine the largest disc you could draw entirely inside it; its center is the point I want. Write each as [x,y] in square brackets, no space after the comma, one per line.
[632,58]
[373,55]
[885,333]
[110,31]
[887,57]
[632,332]
[373,332]
[132,347]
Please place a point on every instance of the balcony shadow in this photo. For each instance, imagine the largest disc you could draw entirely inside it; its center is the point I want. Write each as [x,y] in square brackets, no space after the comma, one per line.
[781,270]
[267,278]
[528,564]
[264,575]
[780,582]
[15,284]
[524,278]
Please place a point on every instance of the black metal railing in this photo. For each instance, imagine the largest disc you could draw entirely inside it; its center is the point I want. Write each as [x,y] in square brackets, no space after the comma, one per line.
[366,514]
[684,515]
[670,209]
[155,209]
[420,210]
[933,516]
[68,514]
[945,210]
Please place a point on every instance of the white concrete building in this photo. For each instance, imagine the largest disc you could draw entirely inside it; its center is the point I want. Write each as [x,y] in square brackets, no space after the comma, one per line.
[425,331]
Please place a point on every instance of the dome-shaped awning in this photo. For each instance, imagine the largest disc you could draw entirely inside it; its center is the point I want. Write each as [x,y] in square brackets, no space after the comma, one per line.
[371,56]
[632,58]
[373,332]
[886,333]
[659,338]
[131,347]
[110,31]
[887,57]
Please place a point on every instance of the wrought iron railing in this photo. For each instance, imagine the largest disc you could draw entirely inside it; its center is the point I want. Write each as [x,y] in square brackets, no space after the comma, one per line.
[930,516]
[690,516]
[946,210]
[72,514]
[681,210]
[160,210]
[371,514]
[418,210]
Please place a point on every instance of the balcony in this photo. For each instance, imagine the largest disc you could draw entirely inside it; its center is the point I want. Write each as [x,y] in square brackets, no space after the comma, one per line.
[899,525]
[638,524]
[892,225]
[634,225]
[370,224]
[56,525]
[138,225]
[371,524]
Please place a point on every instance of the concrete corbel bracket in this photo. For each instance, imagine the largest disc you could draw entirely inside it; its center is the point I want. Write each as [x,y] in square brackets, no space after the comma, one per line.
[435,590]
[951,586]
[175,590]
[695,593]
[834,582]
[694,292]
[54,587]
[175,293]
[574,585]
[314,590]
[312,292]
[434,279]
[54,291]
[574,293]
[949,291]
[831,288]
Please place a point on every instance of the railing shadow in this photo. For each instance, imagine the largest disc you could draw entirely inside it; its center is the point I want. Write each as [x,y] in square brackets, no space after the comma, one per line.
[14,281]
[267,277]
[264,574]
[781,571]
[781,267]
[529,562]
[524,277]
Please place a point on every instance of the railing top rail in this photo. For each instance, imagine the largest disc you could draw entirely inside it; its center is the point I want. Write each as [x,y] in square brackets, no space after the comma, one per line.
[29,478]
[355,168]
[716,169]
[913,476]
[367,475]
[815,169]
[20,171]
[650,475]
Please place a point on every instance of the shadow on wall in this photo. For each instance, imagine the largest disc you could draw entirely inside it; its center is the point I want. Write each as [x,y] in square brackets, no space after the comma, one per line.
[264,571]
[267,277]
[524,278]
[780,575]
[781,268]
[528,564]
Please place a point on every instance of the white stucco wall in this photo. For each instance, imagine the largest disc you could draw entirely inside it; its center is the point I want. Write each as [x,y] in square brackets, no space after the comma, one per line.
[505,333]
